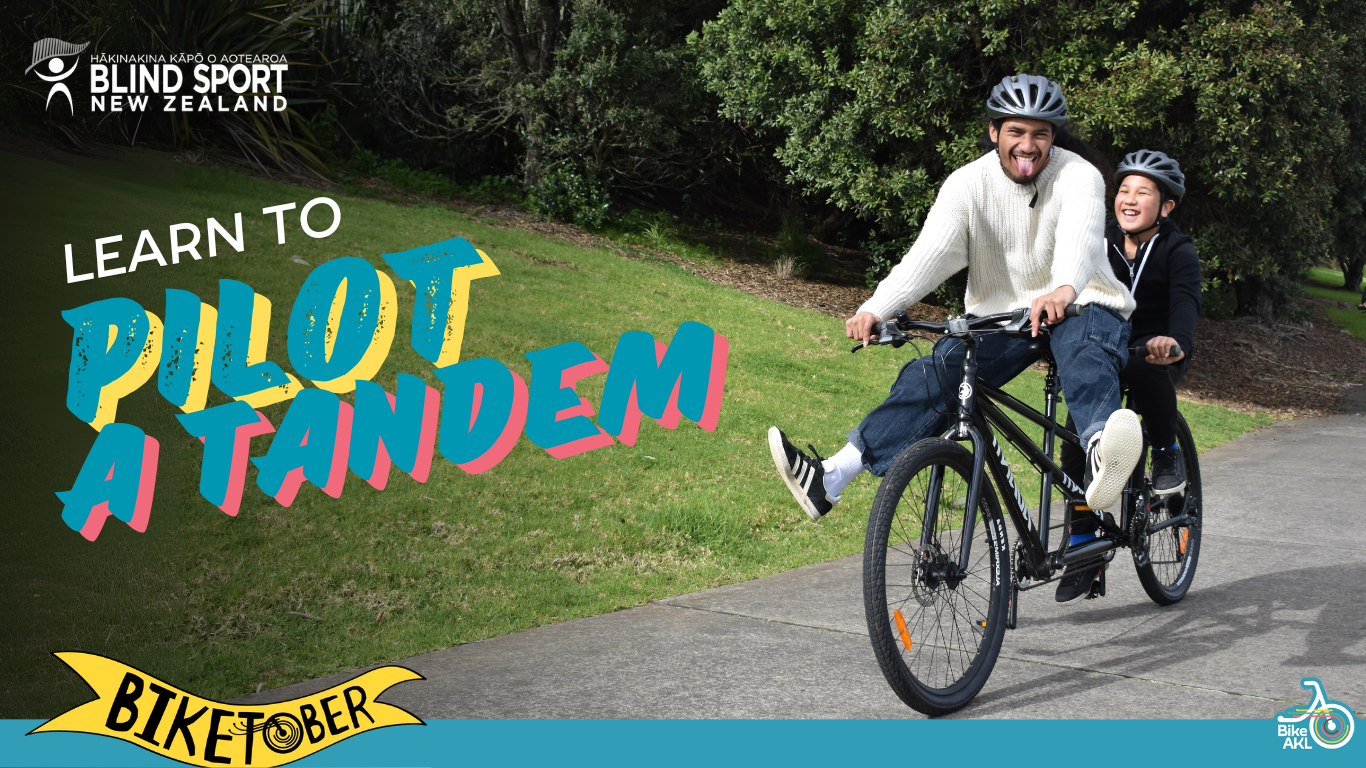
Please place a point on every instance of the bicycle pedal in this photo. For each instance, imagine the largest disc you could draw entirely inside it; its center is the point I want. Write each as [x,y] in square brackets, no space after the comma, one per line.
[1097,586]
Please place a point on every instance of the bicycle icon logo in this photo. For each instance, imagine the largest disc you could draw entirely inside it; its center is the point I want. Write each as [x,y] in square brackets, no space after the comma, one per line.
[1328,723]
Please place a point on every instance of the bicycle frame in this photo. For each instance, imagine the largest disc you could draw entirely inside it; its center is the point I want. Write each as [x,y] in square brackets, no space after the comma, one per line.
[979,410]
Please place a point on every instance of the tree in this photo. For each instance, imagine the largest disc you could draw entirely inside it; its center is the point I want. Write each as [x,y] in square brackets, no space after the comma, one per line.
[1349,204]
[873,104]
[594,94]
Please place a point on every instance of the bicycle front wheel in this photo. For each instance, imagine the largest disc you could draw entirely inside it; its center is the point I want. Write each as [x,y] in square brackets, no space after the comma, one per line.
[936,627]
[1173,552]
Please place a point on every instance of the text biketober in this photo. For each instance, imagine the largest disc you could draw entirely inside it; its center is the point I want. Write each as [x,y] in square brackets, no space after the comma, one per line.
[340,331]
[135,707]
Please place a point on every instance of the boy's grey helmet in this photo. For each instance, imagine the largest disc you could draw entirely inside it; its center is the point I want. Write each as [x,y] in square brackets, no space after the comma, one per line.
[1032,96]
[1156,166]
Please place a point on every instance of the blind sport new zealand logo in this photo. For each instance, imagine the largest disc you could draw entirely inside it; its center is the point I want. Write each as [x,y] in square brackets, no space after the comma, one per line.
[176,82]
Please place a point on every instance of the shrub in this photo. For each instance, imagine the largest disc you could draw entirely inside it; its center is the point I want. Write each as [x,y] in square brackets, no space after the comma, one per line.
[808,258]
[572,194]
[1217,299]
[871,105]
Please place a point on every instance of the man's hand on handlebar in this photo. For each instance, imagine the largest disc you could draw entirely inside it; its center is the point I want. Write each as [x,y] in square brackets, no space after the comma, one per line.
[860,326]
[1050,307]
[1159,351]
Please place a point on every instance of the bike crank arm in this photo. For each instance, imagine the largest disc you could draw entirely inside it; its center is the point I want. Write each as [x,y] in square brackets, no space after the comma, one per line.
[1090,550]
[1184,520]
[1056,577]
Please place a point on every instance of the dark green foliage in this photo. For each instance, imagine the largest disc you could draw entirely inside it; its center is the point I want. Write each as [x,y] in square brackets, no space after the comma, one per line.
[230,27]
[872,104]
[866,105]
[808,258]
[882,256]
[365,164]
[580,98]
[1349,204]
[1217,299]
[570,193]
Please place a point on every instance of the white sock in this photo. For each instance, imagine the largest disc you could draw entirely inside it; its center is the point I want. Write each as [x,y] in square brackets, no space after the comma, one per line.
[842,468]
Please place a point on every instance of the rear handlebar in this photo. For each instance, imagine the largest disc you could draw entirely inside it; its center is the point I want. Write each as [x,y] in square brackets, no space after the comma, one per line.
[1175,351]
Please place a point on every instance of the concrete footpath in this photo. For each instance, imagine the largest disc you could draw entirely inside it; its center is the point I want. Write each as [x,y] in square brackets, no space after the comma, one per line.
[1278,595]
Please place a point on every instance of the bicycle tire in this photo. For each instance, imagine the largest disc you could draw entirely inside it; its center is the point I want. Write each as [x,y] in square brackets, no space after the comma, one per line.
[960,620]
[1173,553]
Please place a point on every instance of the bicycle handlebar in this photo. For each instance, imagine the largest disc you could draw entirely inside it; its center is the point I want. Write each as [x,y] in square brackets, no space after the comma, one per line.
[1175,351]
[893,332]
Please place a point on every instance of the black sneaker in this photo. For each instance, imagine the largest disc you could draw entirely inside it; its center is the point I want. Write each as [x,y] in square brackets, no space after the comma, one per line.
[1169,471]
[1081,584]
[804,476]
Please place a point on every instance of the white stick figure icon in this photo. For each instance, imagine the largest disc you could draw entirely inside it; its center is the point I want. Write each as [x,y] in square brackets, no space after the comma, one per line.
[51,50]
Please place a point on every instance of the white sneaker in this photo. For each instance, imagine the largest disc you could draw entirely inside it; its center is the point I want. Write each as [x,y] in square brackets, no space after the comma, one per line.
[1113,455]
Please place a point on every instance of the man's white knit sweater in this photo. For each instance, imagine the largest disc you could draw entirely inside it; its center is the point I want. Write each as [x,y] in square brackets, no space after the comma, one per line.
[1014,253]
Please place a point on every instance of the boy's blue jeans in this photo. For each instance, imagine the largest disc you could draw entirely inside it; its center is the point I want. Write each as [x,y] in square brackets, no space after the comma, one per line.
[1090,350]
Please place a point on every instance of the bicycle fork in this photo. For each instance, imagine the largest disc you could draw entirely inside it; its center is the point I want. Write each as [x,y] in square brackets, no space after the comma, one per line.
[963,431]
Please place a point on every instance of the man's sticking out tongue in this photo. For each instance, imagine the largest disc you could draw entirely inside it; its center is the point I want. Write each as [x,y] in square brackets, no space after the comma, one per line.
[1024,166]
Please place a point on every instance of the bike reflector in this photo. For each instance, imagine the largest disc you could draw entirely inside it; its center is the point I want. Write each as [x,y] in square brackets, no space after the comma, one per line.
[901,629]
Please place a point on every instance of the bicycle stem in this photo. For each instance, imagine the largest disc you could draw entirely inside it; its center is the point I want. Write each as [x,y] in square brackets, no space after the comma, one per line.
[966,388]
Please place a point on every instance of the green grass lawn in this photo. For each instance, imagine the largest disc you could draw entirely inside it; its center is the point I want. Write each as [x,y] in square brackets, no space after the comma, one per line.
[1333,278]
[209,602]
[1328,284]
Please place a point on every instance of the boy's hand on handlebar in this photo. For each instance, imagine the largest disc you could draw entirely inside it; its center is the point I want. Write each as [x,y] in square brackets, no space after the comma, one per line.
[1158,349]
[1050,307]
[860,326]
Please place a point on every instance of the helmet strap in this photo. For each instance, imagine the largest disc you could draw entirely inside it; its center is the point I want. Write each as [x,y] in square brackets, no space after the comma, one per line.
[1139,233]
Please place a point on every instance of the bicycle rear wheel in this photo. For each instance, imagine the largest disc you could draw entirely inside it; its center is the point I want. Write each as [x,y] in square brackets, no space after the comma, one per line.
[936,628]
[1173,552]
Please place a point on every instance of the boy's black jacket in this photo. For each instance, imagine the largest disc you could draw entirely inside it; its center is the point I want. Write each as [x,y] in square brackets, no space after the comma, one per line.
[1168,294]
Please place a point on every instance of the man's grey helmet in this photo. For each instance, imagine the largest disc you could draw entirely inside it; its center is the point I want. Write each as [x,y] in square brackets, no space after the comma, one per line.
[1156,166]
[1032,96]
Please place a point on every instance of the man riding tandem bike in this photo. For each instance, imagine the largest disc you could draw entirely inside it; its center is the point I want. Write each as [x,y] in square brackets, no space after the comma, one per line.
[940,585]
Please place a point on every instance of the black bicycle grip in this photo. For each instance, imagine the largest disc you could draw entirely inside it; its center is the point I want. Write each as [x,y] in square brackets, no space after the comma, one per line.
[877,334]
[1073,310]
[1142,349]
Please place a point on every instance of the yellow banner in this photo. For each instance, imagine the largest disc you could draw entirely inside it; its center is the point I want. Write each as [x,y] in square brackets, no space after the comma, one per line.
[164,719]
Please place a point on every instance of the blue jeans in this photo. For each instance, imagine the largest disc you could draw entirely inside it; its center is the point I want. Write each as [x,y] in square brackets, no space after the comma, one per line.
[1090,350]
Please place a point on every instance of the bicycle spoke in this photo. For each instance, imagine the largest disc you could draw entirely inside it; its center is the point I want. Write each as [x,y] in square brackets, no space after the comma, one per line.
[952,645]
[939,615]
[1168,568]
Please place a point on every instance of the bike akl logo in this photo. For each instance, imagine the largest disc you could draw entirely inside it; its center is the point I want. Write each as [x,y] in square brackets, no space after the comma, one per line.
[1328,724]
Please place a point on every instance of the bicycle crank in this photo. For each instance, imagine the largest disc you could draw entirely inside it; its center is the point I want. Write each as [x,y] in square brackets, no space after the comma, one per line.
[1138,535]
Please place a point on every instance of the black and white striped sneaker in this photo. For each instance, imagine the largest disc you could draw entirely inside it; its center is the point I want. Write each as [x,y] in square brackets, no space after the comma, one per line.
[804,476]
